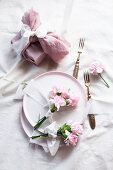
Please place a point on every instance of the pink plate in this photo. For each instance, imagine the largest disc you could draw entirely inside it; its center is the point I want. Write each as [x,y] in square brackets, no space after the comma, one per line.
[25,124]
[43,83]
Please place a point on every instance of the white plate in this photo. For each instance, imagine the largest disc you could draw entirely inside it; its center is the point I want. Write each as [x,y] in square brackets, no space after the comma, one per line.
[25,124]
[43,83]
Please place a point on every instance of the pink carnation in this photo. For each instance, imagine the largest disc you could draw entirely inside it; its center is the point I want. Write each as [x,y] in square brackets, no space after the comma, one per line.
[96,67]
[59,101]
[77,128]
[74,99]
[63,96]
[71,139]
[58,89]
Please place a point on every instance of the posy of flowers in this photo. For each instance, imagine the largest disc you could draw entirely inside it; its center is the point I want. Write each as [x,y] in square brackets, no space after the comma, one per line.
[70,133]
[97,68]
[59,96]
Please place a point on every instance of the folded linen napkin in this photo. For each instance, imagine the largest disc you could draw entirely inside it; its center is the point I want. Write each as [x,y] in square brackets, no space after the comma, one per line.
[37,96]
[50,143]
[34,41]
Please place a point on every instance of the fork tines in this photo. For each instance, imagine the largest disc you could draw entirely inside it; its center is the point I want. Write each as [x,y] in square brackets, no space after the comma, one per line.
[81,42]
[86,77]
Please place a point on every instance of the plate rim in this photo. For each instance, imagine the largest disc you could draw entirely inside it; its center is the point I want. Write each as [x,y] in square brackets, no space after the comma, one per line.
[21,121]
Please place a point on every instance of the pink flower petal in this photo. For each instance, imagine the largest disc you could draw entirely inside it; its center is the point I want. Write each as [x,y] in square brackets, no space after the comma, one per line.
[96,67]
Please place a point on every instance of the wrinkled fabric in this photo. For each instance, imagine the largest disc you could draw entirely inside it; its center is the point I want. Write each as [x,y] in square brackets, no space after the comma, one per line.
[92,20]
[34,44]
[32,19]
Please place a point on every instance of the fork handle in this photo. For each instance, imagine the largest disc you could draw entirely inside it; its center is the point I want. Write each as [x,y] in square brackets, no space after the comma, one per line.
[88,93]
[75,72]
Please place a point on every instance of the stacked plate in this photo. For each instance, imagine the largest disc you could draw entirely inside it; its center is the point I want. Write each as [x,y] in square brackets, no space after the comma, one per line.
[36,97]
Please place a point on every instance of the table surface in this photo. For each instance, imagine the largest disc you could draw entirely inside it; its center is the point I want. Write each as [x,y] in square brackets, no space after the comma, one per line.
[92,20]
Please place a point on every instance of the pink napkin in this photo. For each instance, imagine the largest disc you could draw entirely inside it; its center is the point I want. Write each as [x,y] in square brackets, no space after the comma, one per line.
[40,43]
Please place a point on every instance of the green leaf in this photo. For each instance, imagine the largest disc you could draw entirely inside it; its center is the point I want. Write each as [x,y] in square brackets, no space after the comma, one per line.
[69,89]
[58,94]
[68,128]
[67,102]
[64,135]
[39,123]
[53,108]
[39,136]
[24,85]
[62,127]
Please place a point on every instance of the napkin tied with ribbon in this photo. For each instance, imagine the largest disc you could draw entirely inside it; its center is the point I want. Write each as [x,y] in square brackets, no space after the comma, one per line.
[34,41]
[50,143]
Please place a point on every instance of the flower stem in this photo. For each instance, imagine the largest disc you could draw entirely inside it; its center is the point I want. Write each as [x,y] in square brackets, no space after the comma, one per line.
[39,123]
[39,136]
[104,80]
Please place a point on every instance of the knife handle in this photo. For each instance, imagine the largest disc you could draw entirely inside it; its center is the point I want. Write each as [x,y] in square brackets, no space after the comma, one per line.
[92,120]
[75,72]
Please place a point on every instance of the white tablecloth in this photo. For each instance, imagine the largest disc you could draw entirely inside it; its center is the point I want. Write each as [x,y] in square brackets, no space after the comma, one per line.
[92,20]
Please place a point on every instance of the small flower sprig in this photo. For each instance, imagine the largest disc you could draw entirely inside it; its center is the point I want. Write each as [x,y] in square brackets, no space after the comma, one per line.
[70,133]
[59,96]
[96,68]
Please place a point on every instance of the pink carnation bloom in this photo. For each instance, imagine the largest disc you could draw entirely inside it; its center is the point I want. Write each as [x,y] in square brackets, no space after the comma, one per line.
[71,139]
[66,95]
[69,101]
[77,128]
[58,89]
[74,99]
[59,101]
[96,67]
[52,94]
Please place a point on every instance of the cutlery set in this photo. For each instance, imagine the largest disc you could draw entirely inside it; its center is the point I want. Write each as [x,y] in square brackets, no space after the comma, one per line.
[86,81]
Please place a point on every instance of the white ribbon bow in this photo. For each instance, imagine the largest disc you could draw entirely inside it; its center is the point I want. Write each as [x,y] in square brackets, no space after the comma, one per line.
[50,143]
[26,32]
[40,32]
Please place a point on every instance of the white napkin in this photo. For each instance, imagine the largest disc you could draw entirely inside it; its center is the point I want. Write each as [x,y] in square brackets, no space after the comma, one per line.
[26,32]
[38,96]
[19,93]
[33,92]
[89,106]
[50,143]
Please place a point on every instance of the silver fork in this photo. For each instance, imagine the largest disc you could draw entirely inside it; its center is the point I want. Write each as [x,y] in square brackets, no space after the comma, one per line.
[87,84]
[80,49]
